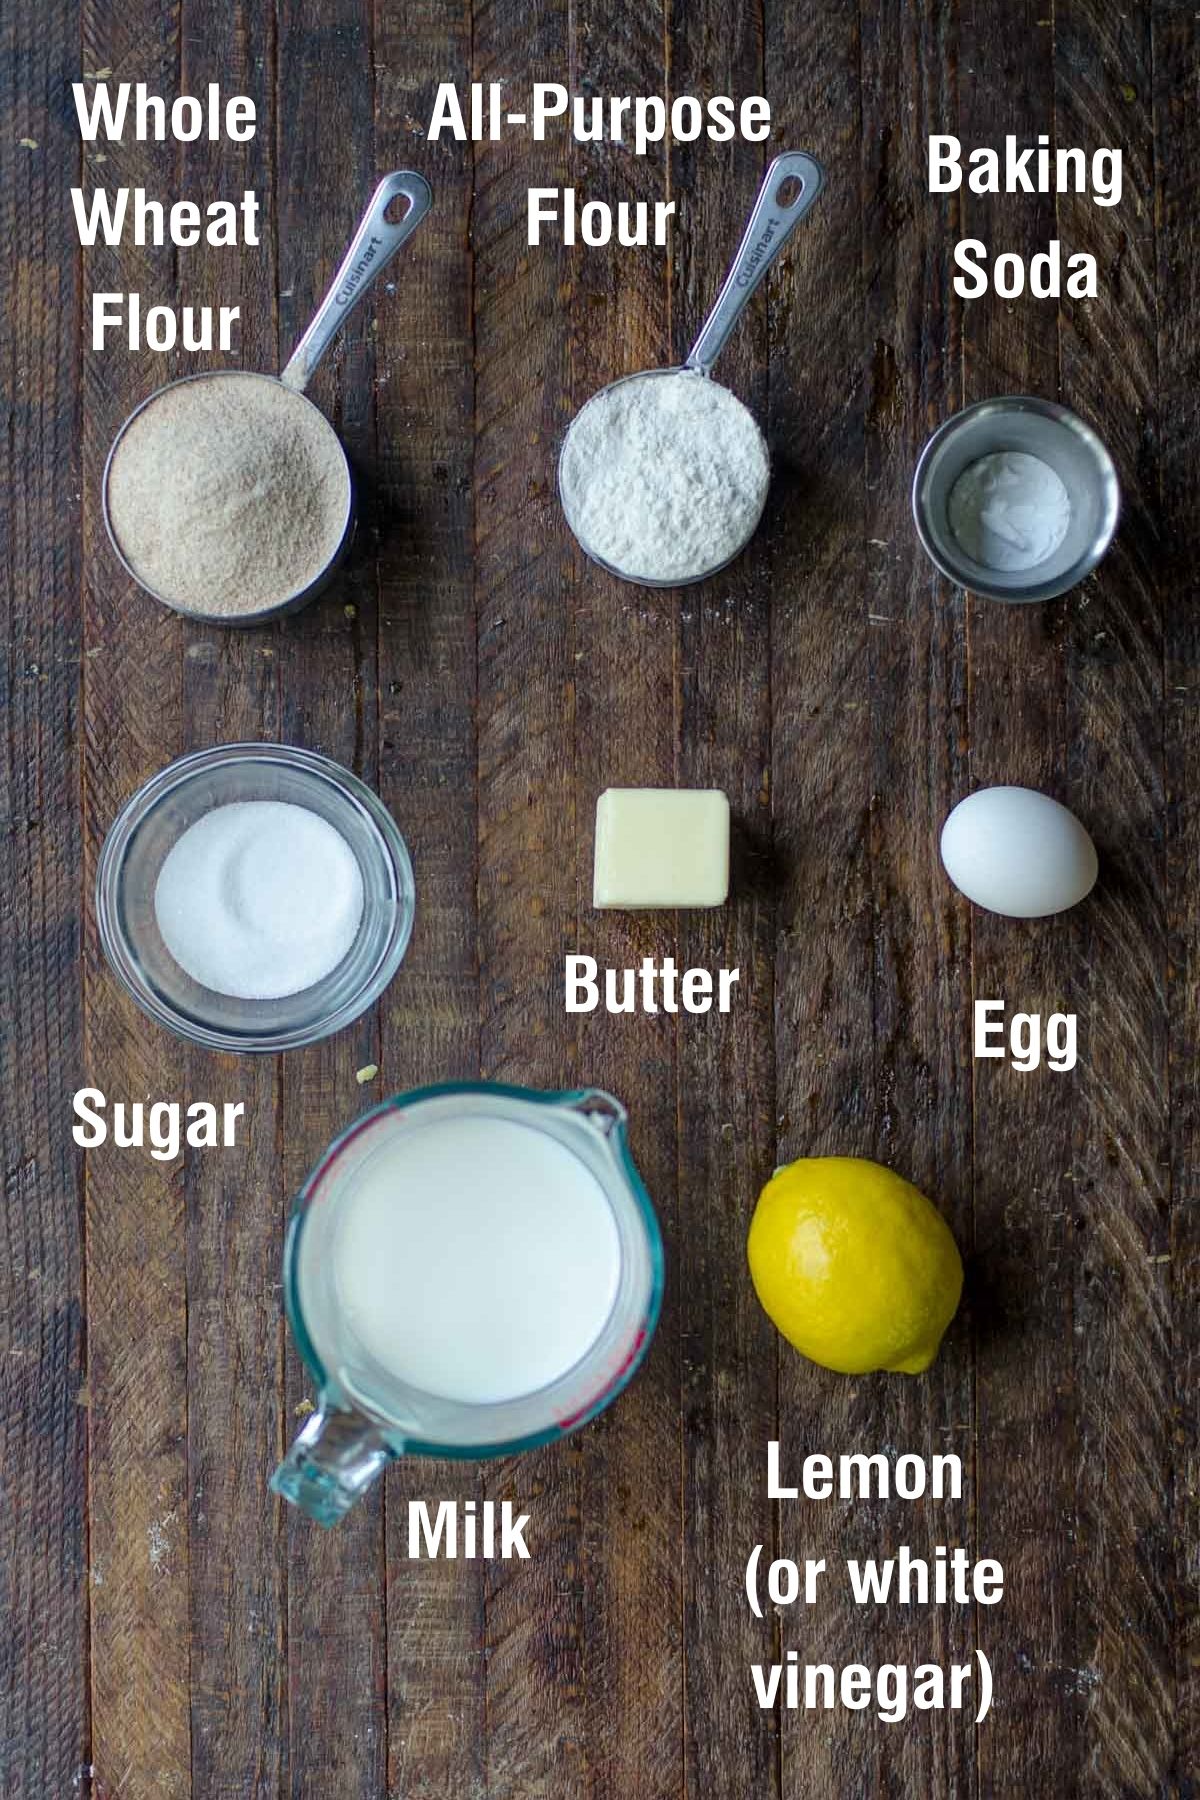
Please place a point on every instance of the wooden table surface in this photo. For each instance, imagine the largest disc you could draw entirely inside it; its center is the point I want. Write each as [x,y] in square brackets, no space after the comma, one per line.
[170,1629]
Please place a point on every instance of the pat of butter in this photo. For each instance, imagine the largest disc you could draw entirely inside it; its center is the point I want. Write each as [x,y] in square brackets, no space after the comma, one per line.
[661,847]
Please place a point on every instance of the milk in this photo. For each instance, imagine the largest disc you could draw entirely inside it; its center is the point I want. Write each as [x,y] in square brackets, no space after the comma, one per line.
[472,1258]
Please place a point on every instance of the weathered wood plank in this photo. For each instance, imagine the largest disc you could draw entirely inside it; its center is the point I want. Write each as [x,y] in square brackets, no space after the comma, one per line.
[329,702]
[879,1070]
[1176,78]
[1023,1123]
[435,1618]
[625,725]
[1121,1284]
[922,967]
[821,784]
[236,1575]
[136,1210]
[726,1148]
[530,814]
[44,1716]
[820,720]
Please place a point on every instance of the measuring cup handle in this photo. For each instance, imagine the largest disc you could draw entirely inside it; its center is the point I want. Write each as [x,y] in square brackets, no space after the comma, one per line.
[334,1460]
[768,229]
[371,250]
[599,1109]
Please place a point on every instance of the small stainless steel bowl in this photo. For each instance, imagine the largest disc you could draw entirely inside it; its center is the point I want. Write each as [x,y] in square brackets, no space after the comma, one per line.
[1038,428]
[291,602]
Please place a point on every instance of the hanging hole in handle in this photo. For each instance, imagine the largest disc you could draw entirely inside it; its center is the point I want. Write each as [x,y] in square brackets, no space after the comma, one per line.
[789,192]
[398,209]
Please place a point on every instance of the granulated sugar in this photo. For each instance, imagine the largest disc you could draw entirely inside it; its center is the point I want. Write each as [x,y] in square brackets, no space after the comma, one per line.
[259,899]
[228,495]
[664,477]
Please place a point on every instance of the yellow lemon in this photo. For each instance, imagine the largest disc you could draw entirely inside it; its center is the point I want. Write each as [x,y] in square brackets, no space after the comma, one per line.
[855,1266]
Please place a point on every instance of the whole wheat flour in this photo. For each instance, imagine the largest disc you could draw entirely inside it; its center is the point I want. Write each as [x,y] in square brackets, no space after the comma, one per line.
[227,495]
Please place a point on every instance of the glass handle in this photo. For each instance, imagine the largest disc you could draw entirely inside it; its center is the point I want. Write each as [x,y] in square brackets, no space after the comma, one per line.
[601,1110]
[333,1461]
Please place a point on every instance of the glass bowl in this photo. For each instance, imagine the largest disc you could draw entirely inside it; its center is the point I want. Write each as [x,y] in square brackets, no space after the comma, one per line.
[148,826]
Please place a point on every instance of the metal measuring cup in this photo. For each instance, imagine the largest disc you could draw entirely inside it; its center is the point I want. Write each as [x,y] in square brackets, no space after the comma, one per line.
[789,188]
[371,249]
[1034,427]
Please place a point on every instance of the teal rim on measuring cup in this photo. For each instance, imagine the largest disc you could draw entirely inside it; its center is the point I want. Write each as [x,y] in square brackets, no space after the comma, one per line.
[368,1412]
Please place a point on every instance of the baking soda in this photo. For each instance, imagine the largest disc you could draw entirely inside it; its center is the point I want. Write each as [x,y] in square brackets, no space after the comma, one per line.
[474,1259]
[259,899]
[663,477]
[1009,510]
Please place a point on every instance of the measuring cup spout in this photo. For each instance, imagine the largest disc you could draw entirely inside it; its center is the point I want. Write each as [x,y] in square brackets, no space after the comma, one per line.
[333,1461]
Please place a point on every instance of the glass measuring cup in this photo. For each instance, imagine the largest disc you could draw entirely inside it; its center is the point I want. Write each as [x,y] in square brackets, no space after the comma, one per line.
[789,188]
[372,248]
[366,1414]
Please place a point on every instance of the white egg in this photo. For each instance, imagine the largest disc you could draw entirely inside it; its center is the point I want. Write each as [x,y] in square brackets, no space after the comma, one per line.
[1018,852]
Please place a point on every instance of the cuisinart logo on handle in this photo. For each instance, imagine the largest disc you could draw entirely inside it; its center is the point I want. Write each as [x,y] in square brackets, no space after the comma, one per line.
[354,279]
[745,274]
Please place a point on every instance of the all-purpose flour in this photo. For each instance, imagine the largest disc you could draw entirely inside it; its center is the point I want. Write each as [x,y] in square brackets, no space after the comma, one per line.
[664,476]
